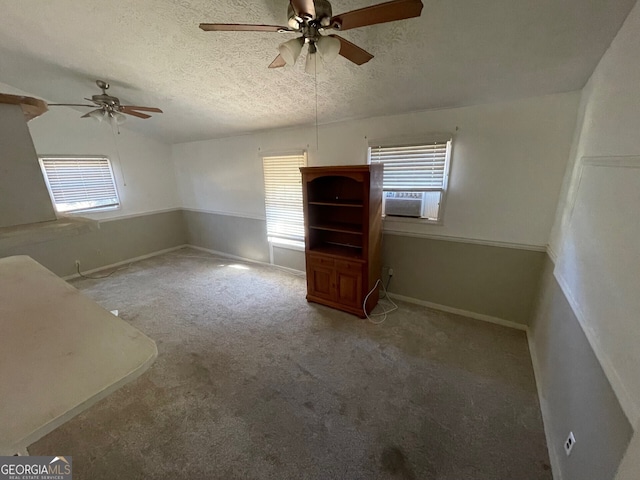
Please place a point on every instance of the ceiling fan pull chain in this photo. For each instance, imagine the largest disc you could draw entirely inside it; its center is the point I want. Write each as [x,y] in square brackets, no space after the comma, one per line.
[115,142]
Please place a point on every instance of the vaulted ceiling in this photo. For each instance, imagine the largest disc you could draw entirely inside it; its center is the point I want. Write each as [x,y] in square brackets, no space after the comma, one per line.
[214,84]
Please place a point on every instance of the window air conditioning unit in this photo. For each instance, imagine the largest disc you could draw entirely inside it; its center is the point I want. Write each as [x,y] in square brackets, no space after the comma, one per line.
[404,204]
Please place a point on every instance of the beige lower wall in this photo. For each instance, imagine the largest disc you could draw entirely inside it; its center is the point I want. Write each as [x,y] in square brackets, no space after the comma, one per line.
[575,393]
[112,242]
[238,236]
[289,258]
[500,282]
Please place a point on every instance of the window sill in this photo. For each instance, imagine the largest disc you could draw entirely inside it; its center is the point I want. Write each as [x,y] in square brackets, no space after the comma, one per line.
[289,244]
[412,220]
[90,210]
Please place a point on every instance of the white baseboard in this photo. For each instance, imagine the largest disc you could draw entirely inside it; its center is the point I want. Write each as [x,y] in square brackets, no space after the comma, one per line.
[243,259]
[125,262]
[544,410]
[459,311]
[172,249]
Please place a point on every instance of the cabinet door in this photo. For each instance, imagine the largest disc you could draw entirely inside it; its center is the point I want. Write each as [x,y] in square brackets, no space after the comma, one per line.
[349,285]
[320,281]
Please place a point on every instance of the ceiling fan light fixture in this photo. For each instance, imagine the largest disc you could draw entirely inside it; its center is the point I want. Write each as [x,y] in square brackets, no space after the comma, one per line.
[98,115]
[314,64]
[328,48]
[290,50]
[118,117]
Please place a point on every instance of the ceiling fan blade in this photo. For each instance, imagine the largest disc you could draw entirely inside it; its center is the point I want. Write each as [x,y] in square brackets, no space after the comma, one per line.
[70,105]
[304,8]
[242,27]
[352,52]
[142,109]
[278,62]
[381,13]
[134,113]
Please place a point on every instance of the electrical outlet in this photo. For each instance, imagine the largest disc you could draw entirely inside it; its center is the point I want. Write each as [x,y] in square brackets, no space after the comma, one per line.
[77,263]
[391,272]
[569,443]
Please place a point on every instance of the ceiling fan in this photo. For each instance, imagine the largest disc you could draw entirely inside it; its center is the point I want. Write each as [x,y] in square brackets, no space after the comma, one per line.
[312,18]
[107,107]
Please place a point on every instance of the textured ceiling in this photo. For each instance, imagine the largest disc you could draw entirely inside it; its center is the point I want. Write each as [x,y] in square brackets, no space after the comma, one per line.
[214,84]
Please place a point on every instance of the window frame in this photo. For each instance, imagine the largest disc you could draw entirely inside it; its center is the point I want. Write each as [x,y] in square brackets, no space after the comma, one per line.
[284,241]
[106,208]
[445,138]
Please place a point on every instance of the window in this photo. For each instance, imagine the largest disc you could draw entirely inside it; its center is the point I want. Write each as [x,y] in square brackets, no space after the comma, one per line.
[415,178]
[80,183]
[283,196]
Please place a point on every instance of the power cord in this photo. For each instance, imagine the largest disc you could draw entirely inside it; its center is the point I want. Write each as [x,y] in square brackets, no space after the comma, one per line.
[387,287]
[384,313]
[100,276]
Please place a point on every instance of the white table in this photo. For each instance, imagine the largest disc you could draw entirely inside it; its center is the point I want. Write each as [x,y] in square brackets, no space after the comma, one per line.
[60,352]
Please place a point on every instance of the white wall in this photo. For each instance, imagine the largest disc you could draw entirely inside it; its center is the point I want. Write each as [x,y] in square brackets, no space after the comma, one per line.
[507,167]
[610,126]
[143,162]
[610,111]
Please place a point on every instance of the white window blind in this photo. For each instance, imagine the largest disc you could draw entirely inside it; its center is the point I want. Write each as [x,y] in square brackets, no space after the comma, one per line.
[283,196]
[80,183]
[415,177]
[413,168]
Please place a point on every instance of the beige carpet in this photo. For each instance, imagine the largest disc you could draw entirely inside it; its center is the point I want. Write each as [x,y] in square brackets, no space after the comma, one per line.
[253,382]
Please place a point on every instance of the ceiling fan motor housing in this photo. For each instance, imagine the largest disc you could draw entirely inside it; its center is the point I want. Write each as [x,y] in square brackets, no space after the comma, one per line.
[322,17]
[323,10]
[106,100]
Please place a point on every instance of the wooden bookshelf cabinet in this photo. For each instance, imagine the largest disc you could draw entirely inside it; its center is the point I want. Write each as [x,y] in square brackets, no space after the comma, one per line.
[343,229]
